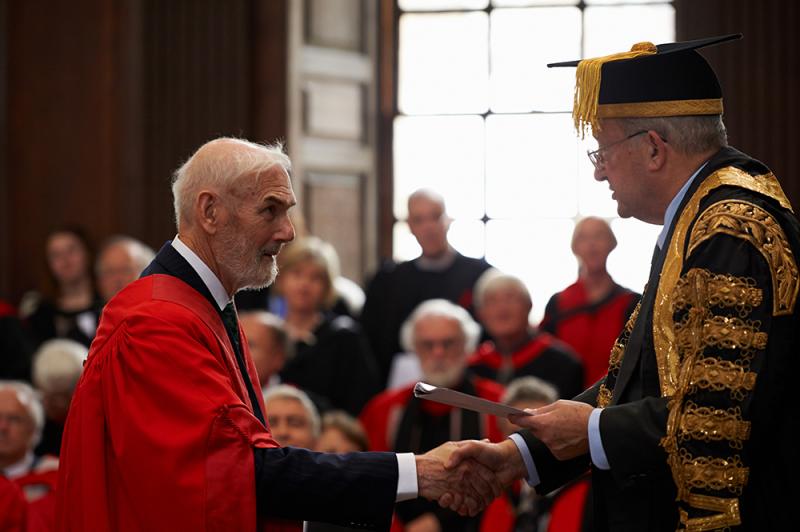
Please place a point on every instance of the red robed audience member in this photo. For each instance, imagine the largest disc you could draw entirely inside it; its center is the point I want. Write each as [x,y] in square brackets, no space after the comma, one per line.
[518,349]
[21,422]
[589,314]
[521,508]
[441,334]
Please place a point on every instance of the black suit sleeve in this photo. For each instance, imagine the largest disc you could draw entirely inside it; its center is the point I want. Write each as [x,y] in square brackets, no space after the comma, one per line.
[356,489]
[554,473]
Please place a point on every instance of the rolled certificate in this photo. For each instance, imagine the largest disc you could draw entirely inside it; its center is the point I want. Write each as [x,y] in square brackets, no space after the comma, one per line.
[462,400]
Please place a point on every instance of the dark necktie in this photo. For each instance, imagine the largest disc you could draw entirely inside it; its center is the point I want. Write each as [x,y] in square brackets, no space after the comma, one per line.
[231,323]
[232,326]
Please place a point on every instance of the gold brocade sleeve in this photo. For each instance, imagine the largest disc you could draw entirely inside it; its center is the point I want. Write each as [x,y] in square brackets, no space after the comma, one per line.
[739,273]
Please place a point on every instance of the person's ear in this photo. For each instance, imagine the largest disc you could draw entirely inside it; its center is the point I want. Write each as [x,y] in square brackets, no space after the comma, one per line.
[657,151]
[208,211]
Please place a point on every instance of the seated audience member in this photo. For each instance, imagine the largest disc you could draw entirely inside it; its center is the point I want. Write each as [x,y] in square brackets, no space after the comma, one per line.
[397,289]
[341,433]
[15,350]
[69,307]
[331,356]
[269,345]
[57,366]
[521,508]
[503,304]
[590,314]
[292,417]
[120,262]
[13,507]
[442,334]
[21,422]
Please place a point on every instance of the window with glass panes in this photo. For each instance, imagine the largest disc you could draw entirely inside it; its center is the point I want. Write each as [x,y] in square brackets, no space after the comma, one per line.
[482,120]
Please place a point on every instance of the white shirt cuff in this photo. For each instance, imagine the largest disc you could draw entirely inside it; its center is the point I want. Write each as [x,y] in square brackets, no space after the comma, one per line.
[596,450]
[533,475]
[406,477]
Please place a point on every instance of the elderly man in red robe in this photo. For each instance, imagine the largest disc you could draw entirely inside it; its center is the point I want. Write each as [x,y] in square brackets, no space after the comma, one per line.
[167,428]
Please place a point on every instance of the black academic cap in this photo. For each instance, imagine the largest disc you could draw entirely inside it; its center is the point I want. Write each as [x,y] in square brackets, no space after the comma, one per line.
[670,79]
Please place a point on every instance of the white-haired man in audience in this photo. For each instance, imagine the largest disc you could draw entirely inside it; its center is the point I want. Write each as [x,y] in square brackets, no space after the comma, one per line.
[442,334]
[517,348]
[57,366]
[21,423]
[439,272]
[120,262]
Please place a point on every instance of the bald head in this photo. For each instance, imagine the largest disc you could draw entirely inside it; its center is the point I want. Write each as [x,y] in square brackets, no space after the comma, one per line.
[428,222]
[592,242]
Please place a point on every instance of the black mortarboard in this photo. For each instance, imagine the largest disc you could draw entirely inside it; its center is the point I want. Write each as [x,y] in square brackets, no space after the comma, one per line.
[666,80]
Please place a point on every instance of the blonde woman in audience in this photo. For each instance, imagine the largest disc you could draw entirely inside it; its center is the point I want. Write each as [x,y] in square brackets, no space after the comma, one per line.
[341,433]
[331,356]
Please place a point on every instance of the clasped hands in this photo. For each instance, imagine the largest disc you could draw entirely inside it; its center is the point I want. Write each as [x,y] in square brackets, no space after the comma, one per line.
[466,476]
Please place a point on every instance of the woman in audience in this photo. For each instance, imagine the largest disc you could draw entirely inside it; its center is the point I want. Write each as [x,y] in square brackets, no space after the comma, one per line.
[590,313]
[331,356]
[70,306]
[341,433]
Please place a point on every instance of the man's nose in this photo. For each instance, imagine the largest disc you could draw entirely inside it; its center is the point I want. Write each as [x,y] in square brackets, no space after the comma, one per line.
[600,173]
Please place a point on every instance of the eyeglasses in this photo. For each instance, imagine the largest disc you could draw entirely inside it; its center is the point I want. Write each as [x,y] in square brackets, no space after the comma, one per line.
[597,157]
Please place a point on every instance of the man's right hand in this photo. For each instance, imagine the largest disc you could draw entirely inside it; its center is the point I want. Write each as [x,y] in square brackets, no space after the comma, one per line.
[466,486]
[502,459]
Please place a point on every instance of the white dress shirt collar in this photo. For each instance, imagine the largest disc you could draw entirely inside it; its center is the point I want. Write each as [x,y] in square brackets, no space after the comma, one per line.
[673,206]
[211,281]
[19,469]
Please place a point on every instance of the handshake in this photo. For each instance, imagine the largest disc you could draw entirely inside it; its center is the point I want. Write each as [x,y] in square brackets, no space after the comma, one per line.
[466,476]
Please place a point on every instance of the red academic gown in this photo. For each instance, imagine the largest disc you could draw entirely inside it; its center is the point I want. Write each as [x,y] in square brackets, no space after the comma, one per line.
[13,507]
[161,430]
[590,329]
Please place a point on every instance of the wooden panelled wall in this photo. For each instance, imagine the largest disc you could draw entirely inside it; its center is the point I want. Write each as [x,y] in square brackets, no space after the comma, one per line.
[100,101]
[760,76]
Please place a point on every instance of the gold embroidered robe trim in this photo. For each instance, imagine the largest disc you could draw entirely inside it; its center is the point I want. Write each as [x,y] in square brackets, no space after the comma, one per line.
[719,290]
[710,373]
[666,351]
[728,513]
[742,219]
[714,424]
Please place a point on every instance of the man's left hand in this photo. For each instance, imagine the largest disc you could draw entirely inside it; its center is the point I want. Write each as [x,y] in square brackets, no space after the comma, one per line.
[563,426]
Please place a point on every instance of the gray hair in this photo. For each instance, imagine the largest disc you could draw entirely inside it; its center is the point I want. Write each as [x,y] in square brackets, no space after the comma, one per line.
[440,308]
[201,170]
[493,279]
[29,399]
[58,364]
[530,388]
[141,253]
[276,325]
[688,135]
[284,391]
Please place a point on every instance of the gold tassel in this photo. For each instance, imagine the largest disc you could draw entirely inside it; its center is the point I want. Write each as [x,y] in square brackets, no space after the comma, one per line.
[587,85]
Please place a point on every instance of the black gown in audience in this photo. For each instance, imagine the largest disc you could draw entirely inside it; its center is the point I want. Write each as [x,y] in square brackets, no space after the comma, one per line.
[397,289]
[336,364]
[15,350]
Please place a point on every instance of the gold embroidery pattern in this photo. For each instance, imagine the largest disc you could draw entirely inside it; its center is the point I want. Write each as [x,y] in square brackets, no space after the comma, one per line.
[716,474]
[723,332]
[728,513]
[717,375]
[667,356]
[718,290]
[615,358]
[603,396]
[749,222]
[713,424]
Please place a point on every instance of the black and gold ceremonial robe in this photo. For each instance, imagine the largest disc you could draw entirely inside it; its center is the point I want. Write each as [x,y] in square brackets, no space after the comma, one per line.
[700,421]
